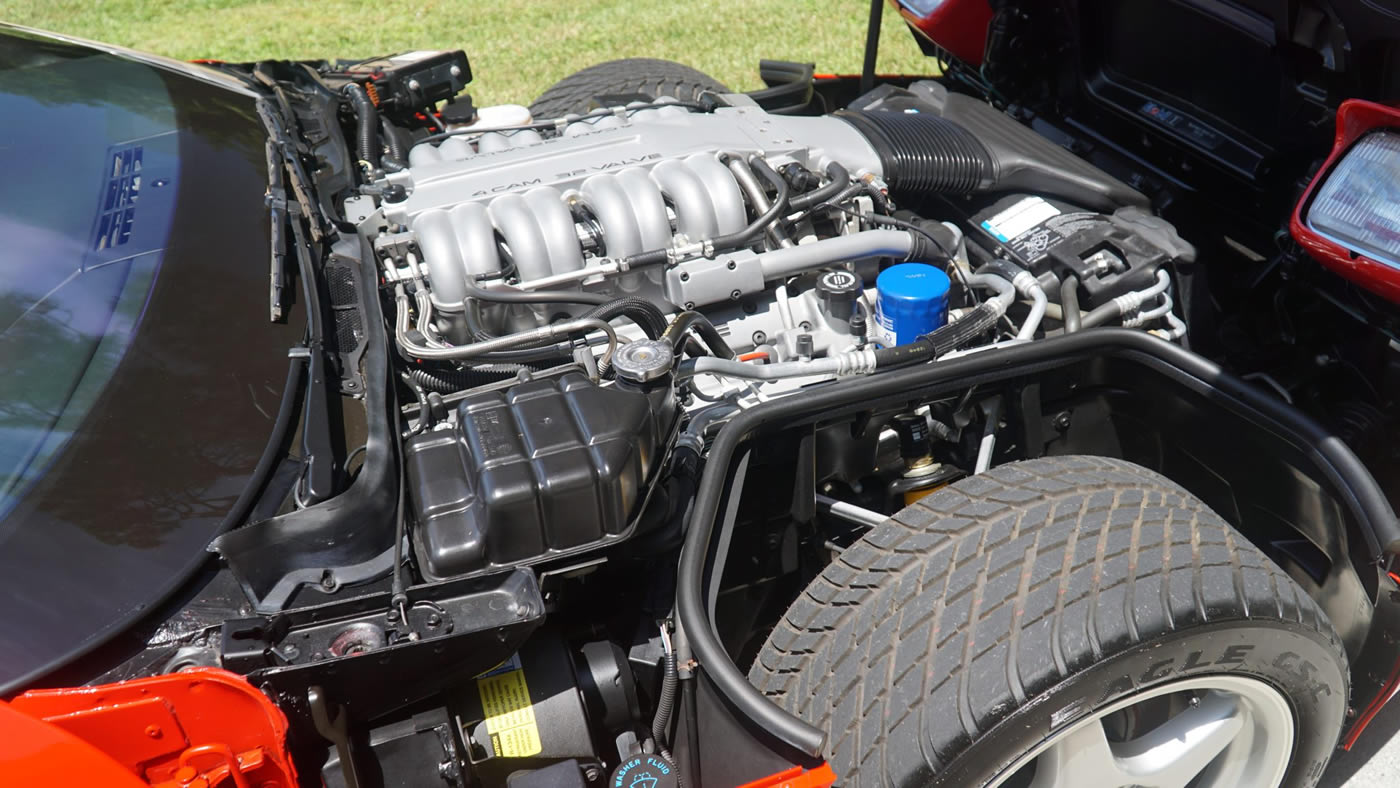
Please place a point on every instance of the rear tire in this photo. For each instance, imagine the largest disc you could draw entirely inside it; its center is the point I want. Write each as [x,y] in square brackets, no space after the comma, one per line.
[973,626]
[655,78]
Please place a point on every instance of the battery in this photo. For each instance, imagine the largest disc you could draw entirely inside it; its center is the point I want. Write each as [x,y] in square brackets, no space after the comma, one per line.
[1031,227]
[911,299]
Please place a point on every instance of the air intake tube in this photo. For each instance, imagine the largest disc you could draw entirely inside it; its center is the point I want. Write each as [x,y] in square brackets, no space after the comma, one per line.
[922,153]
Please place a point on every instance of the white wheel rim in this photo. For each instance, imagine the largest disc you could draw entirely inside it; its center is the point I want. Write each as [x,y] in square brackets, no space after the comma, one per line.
[1229,732]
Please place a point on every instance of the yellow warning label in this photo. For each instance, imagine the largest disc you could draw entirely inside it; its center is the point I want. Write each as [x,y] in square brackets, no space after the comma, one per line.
[510,717]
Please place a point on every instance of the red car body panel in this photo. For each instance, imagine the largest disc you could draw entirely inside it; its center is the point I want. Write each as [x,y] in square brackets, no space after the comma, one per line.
[199,727]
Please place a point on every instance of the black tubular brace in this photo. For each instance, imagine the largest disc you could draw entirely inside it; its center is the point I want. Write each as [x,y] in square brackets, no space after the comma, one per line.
[922,153]
[1330,456]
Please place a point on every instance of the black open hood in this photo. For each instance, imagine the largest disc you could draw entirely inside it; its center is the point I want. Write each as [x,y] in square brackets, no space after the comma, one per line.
[141,377]
[1247,87]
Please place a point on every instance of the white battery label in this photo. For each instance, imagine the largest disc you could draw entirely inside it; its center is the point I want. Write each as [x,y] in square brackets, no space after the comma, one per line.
[1019,218]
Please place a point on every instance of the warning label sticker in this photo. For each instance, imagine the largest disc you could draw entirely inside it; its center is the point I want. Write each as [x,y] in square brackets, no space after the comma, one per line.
[1019,218]
[510,717]
[1036,243]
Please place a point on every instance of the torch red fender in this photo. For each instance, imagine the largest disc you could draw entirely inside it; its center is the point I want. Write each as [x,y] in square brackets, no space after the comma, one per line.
[194,729]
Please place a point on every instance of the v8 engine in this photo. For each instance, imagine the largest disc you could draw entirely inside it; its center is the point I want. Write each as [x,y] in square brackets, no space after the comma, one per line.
[776,240]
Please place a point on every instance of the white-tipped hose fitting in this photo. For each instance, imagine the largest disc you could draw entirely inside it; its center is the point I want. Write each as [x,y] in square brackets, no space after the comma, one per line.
[1128,303]
[1029,287]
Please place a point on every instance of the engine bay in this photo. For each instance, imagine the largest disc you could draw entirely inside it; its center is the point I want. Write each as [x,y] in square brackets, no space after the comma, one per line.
[601,242]
[614,386]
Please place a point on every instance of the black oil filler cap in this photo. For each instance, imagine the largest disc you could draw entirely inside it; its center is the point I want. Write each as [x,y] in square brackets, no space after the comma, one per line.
[645,771]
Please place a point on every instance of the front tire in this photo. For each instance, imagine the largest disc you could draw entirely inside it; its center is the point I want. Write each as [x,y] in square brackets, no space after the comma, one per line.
[959,641]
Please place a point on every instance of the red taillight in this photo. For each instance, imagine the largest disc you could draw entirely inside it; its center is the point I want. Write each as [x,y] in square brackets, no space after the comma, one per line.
[959,26]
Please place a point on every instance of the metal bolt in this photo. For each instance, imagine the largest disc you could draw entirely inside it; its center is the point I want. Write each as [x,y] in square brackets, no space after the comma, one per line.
[455,71]
[1061,421]
[805,325]
[759,337]
[434,620]
[685,277]
[734,295]
[414,85]
[154,731]
[689,304]
[731,266]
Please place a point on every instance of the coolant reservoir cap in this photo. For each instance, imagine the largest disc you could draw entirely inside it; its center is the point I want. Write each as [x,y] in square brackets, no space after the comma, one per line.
[911,300]
[644,360]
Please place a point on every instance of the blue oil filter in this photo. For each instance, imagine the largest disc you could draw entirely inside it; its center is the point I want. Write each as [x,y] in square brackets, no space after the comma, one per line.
[911,299]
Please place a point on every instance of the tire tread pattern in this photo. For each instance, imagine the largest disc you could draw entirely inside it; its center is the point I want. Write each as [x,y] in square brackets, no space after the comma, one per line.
[934,626]
[651,76]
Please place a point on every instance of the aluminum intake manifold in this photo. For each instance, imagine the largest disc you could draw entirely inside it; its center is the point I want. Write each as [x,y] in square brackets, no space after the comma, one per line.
[611,185]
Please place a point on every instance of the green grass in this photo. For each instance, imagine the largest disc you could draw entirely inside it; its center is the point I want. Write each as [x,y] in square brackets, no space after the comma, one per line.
[517,47]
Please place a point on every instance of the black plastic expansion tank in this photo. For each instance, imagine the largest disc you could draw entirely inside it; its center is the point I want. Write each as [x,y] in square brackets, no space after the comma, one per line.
[542,469]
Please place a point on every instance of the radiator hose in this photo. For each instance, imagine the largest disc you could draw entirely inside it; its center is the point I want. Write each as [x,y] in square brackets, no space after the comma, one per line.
[366,124]
[677,333]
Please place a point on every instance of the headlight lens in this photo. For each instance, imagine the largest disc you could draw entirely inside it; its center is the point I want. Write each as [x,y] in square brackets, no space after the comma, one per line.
[1359,204]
